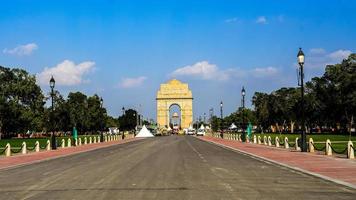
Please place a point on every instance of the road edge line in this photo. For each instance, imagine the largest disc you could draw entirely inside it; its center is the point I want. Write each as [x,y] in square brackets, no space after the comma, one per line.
[343,183]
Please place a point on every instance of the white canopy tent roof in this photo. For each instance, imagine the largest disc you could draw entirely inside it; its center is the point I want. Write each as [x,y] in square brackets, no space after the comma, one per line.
[144,132]
[233,126]
[202,127]
[190,127]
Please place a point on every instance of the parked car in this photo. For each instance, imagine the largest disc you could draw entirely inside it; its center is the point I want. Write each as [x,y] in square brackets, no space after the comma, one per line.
[201,132]
[191,132]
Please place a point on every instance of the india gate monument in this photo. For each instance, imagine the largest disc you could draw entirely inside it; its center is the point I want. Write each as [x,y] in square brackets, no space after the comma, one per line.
[174,93]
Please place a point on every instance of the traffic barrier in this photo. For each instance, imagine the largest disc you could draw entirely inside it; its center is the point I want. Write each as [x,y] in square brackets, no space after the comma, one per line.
[85,140]
[259,140]
[80,141]
[276,141]
[265,140]
[63,143]
[48,146]
[37,146]
[8,150]
[286,144]
[94,139]
[254,139]
[90,140]
[328,150]
[269,140]
[24,148]
[350,150]
[69,144]
[239,137]
[296,144]
[311,145]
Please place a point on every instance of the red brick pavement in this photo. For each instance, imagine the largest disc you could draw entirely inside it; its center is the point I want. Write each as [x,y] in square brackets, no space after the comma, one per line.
[340,170]
[19,159]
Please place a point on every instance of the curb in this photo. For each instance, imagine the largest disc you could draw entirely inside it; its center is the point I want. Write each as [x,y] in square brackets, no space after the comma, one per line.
[61,156]
[343,183]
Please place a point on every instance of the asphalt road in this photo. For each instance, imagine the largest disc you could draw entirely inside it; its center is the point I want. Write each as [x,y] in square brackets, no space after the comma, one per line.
[172,167]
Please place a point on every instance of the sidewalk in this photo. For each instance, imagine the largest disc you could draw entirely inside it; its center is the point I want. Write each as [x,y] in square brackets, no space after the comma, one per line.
[33,157]
[339,170]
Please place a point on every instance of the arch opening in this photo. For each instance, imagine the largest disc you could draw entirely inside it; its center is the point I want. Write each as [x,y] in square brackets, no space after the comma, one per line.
[175,117]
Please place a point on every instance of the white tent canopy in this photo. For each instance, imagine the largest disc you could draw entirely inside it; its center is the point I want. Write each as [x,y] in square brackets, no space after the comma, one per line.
[190,127]
[233,126]
[144,132]
[202,127]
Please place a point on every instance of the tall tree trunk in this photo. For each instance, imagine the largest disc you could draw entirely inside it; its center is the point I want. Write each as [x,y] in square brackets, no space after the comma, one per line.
[292,126]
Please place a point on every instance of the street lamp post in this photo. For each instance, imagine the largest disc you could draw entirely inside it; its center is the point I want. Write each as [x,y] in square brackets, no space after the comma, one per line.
[301,59]
[222,119]
[101,127]
[243,93]
[52,83]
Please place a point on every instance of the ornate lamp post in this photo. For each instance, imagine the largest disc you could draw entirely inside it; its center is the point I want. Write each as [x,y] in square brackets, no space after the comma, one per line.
[52,83]
[222,119]
[101,124]
[243,93]
[123,111]
[301,59]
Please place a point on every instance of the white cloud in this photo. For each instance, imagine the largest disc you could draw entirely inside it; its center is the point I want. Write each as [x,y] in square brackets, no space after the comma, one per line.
[206,71]
[66,73]
[261,20]
[132,82]
[264,72]
[202,70]
[319,58]
[231,20]
[317,51]
[22,50]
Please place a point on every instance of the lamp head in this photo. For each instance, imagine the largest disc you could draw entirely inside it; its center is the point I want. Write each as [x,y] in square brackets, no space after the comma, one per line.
[52,82]
[301,57]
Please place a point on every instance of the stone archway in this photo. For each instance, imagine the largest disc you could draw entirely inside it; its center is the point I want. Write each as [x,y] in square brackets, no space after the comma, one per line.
[171,93]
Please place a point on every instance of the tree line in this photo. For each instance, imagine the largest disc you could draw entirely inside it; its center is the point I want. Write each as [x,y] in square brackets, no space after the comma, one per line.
[329,104]
[23,107]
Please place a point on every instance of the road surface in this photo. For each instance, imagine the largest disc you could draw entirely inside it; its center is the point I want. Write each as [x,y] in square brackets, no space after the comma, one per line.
[172,167]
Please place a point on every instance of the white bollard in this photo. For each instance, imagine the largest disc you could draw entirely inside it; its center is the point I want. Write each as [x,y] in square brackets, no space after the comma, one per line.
[286,145]
[24,149]
[98,139]
[63,143]
[94,139]
[247,139]
[254,139]
[69,142]
[259,140]
[85,140]
[8,150]
[37,146]
[296,144]
[276,141]
[80,141]
[269,141]
[350,150]
[328,150]
[90,140]
[105,138]
[240,137]
[76,141]
[48,145]
[311,145]
[265,140]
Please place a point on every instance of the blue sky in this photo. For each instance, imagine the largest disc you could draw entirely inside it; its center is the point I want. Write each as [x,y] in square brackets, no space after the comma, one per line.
[123,50]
